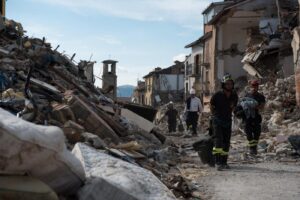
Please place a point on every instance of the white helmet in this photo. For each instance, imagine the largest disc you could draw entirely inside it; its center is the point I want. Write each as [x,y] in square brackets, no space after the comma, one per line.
[192,91]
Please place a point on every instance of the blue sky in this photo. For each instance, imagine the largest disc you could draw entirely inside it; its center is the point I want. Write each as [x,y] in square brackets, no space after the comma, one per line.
[140,34]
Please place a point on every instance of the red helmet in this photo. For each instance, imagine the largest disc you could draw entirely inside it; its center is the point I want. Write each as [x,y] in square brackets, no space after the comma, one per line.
[254,83]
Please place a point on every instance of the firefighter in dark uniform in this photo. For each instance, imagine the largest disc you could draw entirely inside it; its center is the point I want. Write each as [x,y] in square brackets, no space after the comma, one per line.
[172,115]
[222,104]
[253,125]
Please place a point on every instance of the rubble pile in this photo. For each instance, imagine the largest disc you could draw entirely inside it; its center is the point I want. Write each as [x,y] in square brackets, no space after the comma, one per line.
[281,115]
[269,44]
[45,87]
[48,90]
[178,159]
[280,120]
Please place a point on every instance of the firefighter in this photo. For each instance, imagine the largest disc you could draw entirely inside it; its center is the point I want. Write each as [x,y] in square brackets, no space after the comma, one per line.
[193,108]
[222,104]
[253,124]
[172,115]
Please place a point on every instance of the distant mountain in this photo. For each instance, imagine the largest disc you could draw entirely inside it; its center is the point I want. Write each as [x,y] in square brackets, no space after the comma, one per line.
[125,90]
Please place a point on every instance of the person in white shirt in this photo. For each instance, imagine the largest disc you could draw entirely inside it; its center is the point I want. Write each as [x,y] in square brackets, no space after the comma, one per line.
[193,108]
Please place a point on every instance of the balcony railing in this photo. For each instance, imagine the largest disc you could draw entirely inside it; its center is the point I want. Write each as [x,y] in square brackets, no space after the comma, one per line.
[193,70]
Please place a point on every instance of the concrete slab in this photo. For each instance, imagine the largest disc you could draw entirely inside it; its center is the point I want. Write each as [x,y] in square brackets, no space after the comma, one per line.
[114,179]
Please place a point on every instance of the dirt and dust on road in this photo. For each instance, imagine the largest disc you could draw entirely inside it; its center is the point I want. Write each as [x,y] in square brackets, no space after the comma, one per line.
[261,181]
[273,174]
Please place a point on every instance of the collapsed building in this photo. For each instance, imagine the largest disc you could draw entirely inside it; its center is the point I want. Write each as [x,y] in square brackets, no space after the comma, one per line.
[139,93]
[296,47]
[72,139]
[164,85]
[246,37]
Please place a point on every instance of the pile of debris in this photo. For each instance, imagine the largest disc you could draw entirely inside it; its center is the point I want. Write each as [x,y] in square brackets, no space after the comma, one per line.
[269,49]
[50,106]
[281,115]
[280,120]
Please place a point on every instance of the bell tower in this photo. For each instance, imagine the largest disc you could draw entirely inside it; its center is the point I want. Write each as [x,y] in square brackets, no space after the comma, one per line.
[109,78]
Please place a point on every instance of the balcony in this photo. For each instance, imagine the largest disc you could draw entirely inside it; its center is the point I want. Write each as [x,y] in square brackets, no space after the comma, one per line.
[193,70]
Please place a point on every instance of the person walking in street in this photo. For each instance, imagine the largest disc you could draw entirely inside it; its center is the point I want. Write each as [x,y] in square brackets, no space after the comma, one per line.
[253,123]
[172,115]
[194,109]
[222,104]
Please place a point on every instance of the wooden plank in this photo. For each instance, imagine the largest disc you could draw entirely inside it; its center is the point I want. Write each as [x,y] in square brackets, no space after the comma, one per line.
[133,154]
[93,123]
[71,81]
[120,130]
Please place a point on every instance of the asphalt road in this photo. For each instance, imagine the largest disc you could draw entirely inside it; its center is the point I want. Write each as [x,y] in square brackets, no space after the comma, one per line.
[264,181]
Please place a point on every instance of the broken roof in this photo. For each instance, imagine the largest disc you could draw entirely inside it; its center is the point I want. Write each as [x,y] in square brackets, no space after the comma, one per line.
[200,41]
[165,70]
[214,4]
[227,9]
[109,61]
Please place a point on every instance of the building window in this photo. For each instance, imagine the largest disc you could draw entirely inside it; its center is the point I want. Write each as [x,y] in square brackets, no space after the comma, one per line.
[207,75]
[186,88]
[197,64]
[187,68]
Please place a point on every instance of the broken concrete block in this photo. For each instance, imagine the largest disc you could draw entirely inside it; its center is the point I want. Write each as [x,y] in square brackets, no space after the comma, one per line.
[251,70]
[10,93]
[281,138]
[282,149]
[39,151]
[114,179]
[62,113]
[276,118]
[167,155]
[279,83]
[138,120]
[130,146]
[73,132]
[94,140]
[25,188]
[3,51]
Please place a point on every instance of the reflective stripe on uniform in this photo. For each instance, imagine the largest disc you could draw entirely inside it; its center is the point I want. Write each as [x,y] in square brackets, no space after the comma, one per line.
[220,151]
[253,143]
[217,151]
[224,153]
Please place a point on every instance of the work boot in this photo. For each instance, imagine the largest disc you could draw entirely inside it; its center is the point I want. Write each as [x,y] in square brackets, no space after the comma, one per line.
[224,162]
[220,167]
[226,166]
[218,163]
[253,150]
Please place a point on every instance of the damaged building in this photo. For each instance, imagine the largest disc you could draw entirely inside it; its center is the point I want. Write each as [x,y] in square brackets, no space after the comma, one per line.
[205,48]
[139,93]
[193,68]
[164,85]
[247,37]
[62,133]
[296,49]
